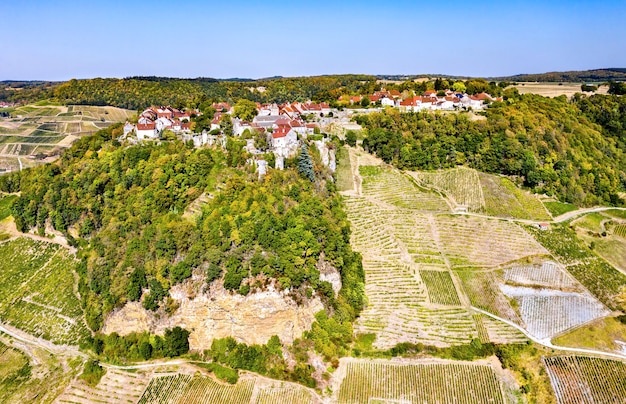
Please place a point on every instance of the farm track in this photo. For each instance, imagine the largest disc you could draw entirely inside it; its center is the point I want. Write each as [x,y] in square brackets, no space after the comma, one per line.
[546,342]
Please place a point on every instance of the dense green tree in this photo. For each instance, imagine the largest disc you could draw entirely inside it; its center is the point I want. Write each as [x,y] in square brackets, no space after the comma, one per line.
[245,109]
[226,125]
[548,143]
[351,138]
[305,163]
[176,341]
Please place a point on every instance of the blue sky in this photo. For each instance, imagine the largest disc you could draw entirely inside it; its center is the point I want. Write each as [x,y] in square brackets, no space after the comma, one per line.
[59,40]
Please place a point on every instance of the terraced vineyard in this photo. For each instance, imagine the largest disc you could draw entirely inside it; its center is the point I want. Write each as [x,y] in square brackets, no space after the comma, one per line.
[390,186]
[387,382]
[409,250]
[579,379]
[398,307]
[275,392]
[47,130]
[548,301]
[115,387]
[37,291]
[620,230]
[461,184]
[476,241]
[440,288]
[183,389]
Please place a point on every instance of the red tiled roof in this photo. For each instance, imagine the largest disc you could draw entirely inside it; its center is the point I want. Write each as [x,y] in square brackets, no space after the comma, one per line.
[281,131]
[146,126]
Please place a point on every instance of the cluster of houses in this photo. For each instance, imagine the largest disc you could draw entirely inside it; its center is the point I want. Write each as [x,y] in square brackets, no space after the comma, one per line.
[4,104]
[285,125]
[155,120]
[282,125]
[447,100]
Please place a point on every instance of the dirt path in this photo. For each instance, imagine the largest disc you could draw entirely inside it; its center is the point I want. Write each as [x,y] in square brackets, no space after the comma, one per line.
[41,343]
[573,214]
[547,343]
[8,225]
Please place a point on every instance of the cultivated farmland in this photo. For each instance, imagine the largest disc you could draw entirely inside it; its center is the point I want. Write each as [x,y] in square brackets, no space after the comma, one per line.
[578,379]
[391,187]
[388,382]
[115,387]
[480,242]
[410,245]
[183,389]
[461,184]
[599,277]
[549,312]
[37,291]
[46,130]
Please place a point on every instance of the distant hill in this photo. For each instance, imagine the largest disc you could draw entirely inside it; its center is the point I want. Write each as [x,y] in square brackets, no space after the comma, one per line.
[614,74]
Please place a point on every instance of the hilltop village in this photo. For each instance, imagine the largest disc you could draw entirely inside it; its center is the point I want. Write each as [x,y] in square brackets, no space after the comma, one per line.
[279,130]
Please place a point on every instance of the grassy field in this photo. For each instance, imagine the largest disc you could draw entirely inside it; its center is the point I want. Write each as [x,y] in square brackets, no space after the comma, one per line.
[559,208]
[505,199]
[37,291]
[554,89]
[591,222]
[5,205]
[39,380]
[613,249]
[345,181]
[601,334]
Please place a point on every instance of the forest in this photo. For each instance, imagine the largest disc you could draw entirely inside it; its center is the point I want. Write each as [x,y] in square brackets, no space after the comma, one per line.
[572,150]
[123,208]
[141,92]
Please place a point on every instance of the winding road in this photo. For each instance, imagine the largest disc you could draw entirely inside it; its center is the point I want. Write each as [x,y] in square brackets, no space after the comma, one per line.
[546,342]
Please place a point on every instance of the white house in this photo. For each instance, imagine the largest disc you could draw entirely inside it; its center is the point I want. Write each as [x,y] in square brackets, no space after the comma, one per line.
[284,142]
[128,128]
[147,131]
[387,102]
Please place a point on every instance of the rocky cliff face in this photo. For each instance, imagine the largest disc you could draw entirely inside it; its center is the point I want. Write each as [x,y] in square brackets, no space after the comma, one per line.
[252,319]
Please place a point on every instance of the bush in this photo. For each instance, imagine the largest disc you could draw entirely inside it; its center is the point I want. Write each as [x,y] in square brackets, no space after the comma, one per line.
[92,373]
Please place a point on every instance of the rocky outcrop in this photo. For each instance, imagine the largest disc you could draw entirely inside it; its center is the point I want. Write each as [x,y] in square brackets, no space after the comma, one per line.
[252,319]
[329,273]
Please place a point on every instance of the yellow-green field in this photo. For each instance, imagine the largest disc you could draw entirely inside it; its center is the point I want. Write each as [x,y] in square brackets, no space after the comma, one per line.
[554,89]
[45,130]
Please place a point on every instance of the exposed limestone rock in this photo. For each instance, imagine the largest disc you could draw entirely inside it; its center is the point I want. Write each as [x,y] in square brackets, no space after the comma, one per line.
[329,273]
[252,319]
